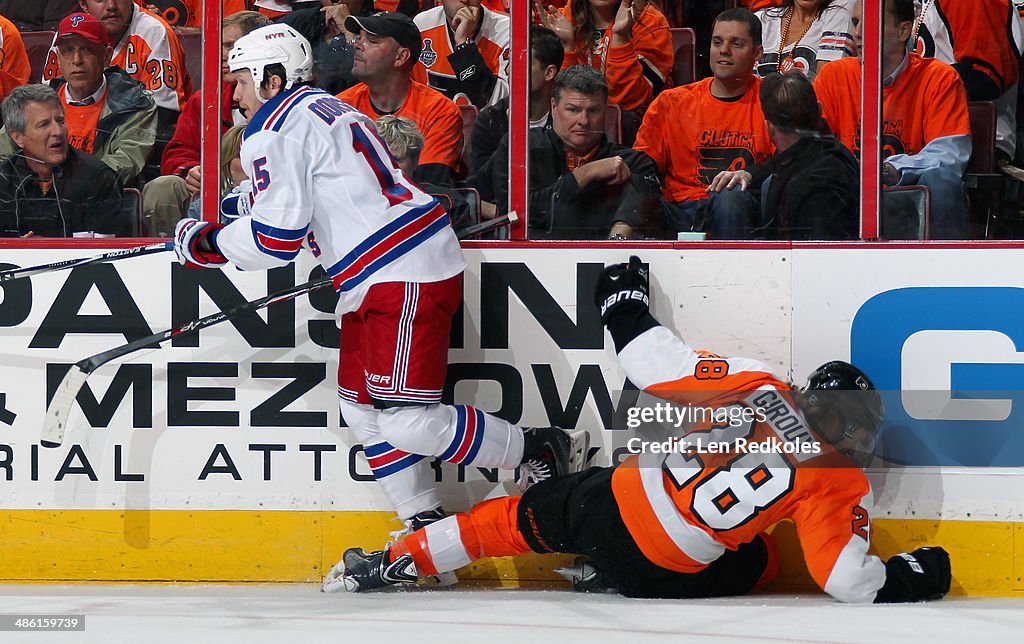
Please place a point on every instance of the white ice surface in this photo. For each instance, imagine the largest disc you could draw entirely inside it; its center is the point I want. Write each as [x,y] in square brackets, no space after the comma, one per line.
[300,614]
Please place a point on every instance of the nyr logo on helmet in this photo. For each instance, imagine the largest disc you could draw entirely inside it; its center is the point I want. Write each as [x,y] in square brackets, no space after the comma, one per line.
[77,20]
[949,364]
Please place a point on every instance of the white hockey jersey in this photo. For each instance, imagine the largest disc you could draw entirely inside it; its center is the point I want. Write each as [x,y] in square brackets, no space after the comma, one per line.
[322,177]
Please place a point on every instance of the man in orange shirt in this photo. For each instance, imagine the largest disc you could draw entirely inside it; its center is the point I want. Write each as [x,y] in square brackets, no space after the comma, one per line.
[686,516]
[698,130]
[926,132]
[387,45]
[14,65]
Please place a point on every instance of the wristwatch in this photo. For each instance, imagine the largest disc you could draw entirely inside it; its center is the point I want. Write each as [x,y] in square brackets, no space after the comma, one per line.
[618,237]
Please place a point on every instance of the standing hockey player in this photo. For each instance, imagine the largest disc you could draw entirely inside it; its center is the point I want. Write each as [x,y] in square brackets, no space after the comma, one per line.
[321,176]
[691,522]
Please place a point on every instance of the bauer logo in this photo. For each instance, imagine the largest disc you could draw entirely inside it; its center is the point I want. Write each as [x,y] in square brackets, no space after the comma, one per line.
[949,362]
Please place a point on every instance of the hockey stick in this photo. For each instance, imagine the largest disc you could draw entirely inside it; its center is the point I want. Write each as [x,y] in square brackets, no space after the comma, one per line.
[57,412]
[138,251]
[55,421]
[486,226]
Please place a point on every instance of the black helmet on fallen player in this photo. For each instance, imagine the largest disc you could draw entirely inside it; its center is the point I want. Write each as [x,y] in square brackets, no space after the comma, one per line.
[843,405]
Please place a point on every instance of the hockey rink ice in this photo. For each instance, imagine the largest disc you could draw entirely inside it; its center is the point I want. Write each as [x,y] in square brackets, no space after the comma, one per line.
[257,614]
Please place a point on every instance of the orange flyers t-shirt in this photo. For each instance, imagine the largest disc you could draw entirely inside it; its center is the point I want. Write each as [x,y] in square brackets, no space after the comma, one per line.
[14,65]
[82,121]
[693,136]
[927,101]
[438,118]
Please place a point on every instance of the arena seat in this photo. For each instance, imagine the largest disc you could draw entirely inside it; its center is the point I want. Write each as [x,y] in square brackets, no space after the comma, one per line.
[192,45]
[469,114]
[684,66]
[37,44]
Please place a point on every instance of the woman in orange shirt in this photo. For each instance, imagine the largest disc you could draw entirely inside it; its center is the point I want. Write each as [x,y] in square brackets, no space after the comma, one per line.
[628,40]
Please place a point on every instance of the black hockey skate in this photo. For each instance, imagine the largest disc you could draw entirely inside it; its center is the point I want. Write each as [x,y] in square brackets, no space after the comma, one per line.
[584,576]
[360,571]
[550,452]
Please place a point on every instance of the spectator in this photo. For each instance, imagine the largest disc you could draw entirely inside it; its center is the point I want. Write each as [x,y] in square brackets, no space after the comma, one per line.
[627,40]
[582,186]
[50,189]
[108,114]
[333,52]
[37,15]
[408,7]
[926,133]
[982,41]
[144,46]
[698,130]
[758,5]
[491,125]
[165,199]
[465,52]
[810,186]
[805,35]
[187,15]
[275,9]
[232,176]
[14,65]
[405,142]
[387,45]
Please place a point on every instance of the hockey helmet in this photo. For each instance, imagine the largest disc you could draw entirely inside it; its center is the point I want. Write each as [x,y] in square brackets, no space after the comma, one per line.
[271,45]
[843,404]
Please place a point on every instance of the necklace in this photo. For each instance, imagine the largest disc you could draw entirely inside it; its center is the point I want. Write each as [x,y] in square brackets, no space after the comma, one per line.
[786,63]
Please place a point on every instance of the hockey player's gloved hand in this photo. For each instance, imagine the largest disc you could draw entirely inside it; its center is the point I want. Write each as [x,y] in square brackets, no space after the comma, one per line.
[622,287]
[622,295]
[236,203]
[195,244]
[921,575]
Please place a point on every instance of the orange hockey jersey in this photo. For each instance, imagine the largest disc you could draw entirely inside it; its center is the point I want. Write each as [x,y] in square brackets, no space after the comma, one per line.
[729,481]
[151,54]
[693,136]
[439,121]
[927,101]
[635,71]
[474,75]
[14,65]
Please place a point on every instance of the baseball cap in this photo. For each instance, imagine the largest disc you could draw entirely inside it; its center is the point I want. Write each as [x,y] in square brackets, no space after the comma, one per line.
[85,25]
[389,23]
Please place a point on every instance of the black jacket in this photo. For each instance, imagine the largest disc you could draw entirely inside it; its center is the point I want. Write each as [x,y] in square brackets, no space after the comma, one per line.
[814,192]
[559,209]
[85,196]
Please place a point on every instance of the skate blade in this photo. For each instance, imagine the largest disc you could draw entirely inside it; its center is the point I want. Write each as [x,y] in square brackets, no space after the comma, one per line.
[579,450]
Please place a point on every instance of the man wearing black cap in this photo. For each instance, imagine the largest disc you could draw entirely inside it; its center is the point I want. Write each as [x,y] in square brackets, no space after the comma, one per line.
[387,46]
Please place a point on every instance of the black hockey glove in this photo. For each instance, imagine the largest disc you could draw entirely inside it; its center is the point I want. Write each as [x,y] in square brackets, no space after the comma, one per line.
[921,575]
[623,296]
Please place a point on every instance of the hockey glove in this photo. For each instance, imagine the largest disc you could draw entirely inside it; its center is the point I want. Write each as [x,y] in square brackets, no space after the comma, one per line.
[921,575]
[236,203]
[622,295]
[195,244]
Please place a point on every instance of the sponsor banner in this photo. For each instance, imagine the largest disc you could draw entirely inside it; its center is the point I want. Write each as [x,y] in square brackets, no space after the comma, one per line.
[244,415]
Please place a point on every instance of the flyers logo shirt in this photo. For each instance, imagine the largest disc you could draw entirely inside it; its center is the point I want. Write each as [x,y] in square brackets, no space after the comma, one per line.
[693,136]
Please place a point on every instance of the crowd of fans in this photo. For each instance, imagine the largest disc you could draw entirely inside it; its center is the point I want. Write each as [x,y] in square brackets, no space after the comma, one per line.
[763,144]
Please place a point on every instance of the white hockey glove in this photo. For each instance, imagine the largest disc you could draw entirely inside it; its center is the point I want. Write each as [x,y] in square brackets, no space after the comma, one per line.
[195,244]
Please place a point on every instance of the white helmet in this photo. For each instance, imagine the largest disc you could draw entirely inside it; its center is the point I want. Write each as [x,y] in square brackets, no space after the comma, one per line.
[269,45]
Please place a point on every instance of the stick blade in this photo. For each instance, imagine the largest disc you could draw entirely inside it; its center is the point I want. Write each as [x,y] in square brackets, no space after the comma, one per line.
[55,421]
